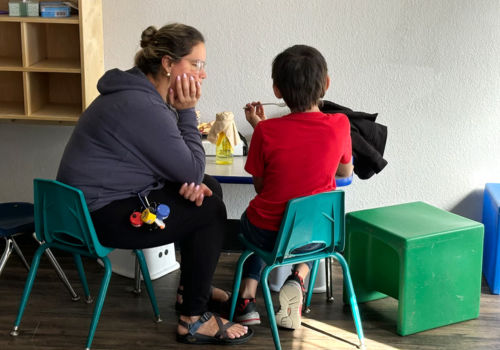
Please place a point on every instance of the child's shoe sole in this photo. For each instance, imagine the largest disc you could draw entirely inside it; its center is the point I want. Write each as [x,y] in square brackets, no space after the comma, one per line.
[249,319]
[289,315]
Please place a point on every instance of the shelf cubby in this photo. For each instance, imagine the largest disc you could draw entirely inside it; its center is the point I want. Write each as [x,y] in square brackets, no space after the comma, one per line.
[11,94]
[53,96]
[52,47]
[10,46]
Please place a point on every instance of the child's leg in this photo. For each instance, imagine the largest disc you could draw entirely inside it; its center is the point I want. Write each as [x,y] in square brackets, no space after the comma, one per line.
[303,269]
[252,269]
[292,297]
[246,307]
[293,291]
[250,278]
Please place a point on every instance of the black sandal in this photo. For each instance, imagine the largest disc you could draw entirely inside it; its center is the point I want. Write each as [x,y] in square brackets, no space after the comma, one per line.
[215,306]
[220,338]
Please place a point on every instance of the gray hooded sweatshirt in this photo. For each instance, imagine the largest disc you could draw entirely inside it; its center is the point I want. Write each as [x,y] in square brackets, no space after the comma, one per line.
[129,141]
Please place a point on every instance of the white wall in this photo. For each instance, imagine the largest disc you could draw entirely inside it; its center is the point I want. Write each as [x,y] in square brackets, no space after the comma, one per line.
[430,68]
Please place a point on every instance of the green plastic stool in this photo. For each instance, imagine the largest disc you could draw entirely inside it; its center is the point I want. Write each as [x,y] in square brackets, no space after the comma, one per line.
[427,258]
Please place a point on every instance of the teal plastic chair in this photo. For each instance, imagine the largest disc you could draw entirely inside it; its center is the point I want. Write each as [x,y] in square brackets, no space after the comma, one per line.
[62,221]
[313,219]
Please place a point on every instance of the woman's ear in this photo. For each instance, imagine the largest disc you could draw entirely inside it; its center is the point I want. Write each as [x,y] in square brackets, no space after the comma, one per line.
[277,92]
[166,64]
[327,82]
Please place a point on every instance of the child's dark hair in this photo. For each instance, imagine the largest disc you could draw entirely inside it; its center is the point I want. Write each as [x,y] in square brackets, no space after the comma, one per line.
[300,74]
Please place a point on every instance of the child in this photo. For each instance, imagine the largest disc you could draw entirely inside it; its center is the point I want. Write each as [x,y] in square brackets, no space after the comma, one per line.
[293,156]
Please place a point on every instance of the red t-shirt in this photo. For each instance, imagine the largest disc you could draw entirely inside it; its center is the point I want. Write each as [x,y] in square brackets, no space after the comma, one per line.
[296,155]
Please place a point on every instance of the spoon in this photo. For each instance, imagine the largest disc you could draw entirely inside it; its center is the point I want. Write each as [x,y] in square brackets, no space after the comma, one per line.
[281,104]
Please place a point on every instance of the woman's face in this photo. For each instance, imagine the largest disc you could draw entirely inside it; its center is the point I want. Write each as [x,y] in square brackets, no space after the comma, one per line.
[192,65]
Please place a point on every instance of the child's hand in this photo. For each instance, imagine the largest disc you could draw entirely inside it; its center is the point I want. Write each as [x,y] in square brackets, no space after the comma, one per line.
[254,113]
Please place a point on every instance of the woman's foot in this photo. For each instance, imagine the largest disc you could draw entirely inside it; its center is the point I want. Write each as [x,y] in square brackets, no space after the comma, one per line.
[218,303]
[210,327]
[217,295]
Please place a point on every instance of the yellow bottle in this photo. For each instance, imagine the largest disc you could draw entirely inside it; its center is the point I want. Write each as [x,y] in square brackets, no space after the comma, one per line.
[223,151]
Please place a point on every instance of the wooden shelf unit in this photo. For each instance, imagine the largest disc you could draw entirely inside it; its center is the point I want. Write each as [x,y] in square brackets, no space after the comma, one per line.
[49,67]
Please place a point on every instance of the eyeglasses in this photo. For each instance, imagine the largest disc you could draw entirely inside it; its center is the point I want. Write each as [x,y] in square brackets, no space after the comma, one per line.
[198,64]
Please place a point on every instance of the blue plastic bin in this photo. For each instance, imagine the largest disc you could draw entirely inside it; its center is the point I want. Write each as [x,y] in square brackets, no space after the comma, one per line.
[491,259]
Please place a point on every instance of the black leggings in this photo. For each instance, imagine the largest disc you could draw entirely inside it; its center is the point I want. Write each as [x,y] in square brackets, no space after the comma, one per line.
[199,230]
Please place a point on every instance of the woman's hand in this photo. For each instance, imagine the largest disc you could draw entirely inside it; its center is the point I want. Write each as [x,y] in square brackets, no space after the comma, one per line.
[195,193]
[254,112]
[184,92]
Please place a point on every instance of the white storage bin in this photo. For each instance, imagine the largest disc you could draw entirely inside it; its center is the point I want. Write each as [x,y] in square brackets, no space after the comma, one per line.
[160,260]
[278,276]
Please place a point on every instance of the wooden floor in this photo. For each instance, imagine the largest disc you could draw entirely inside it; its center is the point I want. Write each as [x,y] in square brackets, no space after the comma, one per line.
[53,321]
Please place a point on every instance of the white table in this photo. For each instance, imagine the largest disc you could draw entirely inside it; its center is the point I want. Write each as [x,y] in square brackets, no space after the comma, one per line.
[228,173]
[235,173]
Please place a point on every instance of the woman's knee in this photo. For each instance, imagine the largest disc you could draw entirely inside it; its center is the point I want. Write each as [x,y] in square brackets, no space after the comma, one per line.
[213,184]
[215,208]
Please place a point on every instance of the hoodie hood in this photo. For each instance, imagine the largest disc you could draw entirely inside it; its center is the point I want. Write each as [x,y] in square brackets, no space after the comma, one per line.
[116,80]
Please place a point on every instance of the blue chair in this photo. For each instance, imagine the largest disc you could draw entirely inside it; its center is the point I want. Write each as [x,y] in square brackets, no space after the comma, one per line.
[62,221]
[491,252]
[17,218]
[313,219]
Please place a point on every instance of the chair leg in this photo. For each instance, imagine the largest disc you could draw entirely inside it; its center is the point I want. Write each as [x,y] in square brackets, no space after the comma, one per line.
[100,300]
[20,254]
[27,287]
[137,274]
[329,285]
[147,281]
[269,305]
[312,281]
[237,281]
[352,298]
[6,253]
[83,279]
[59,271]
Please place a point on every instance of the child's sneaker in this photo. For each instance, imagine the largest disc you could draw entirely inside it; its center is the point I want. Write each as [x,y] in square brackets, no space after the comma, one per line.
[291,299]
[246,312]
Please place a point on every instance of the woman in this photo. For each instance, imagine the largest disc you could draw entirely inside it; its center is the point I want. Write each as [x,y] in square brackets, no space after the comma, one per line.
[139,139]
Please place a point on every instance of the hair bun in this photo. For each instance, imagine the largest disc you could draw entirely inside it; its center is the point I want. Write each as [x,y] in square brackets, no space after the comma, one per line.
[147,35]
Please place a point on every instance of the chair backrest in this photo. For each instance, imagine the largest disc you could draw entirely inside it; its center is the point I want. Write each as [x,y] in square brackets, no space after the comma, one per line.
[313,219]
[62,216]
